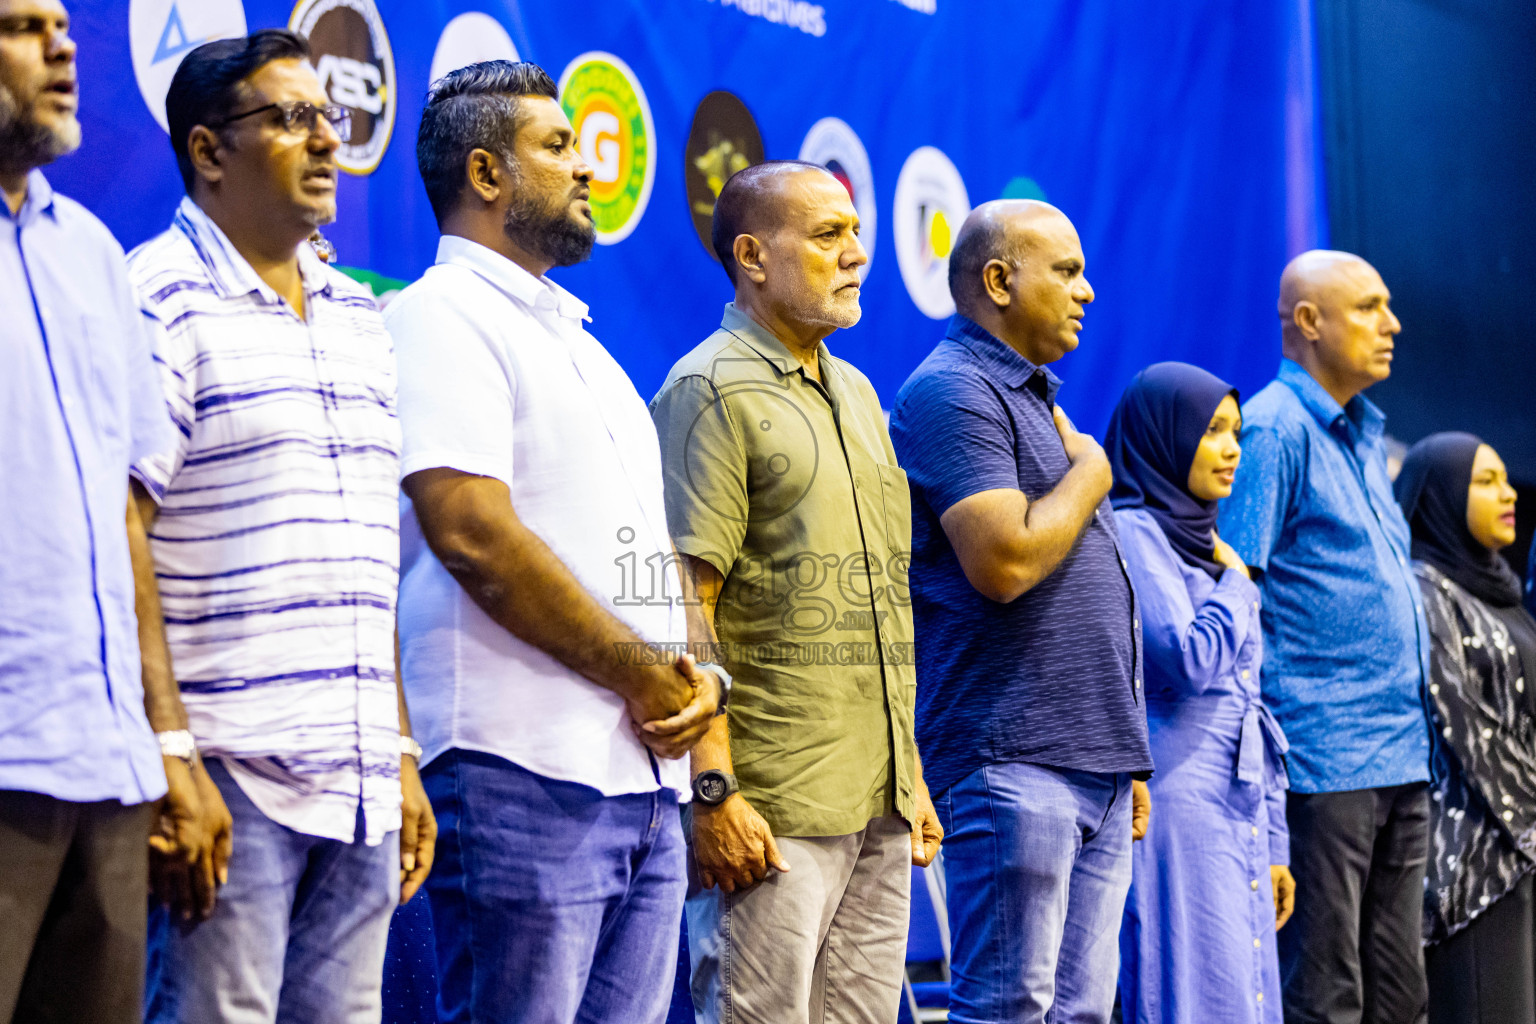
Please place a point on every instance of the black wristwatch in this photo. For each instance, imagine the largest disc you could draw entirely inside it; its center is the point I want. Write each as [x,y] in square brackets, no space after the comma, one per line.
[713,787]
[725,683]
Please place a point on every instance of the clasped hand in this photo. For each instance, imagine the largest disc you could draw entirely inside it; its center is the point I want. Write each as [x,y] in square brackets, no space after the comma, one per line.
[673,736]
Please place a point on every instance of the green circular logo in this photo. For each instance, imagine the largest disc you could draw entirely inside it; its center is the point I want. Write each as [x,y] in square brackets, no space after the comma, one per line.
[615,135]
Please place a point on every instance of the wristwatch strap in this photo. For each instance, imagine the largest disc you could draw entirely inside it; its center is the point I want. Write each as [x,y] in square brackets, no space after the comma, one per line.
[725,683]
[178,743]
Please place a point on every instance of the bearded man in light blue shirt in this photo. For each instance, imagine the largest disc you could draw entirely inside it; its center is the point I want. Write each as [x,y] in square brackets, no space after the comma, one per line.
[80,768]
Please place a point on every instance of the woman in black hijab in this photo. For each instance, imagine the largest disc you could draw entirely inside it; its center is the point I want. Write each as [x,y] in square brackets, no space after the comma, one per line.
[1478,917]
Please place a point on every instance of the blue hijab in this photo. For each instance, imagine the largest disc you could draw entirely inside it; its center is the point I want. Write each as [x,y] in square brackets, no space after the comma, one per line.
[1151,444]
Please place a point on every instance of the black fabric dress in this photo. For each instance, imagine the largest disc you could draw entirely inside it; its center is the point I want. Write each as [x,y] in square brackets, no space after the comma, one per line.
[1479,928]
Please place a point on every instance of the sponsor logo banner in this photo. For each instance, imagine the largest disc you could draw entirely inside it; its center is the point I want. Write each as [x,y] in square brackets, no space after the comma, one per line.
[723,140]
[162,32]
[469,39]
[615,135]
[928,209]
[352,56]
[835,146]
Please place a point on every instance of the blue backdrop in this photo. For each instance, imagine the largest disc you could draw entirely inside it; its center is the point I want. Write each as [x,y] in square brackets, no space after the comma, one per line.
[1179,136]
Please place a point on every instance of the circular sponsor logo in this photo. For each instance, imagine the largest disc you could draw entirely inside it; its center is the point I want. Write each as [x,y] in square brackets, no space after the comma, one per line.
[469,39]
[352,56]
[723,140]
[929,207]
[161,32]
[835,146]
[615,135]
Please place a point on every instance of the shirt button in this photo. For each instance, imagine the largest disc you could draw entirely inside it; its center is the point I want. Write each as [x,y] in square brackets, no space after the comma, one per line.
[1261,997]
[1256,945]
[1254,885]
[1246,673]
[1255,830]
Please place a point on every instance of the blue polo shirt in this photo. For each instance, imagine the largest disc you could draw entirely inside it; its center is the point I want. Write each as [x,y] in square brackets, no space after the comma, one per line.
[1054,676]
[1345,641]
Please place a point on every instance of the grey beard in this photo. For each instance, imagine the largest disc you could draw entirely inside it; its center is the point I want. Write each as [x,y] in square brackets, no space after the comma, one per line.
[549,232]
[26,144]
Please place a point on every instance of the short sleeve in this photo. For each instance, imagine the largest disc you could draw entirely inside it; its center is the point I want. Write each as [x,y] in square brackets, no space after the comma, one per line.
[149,421]
[176,388]
[457,397]
[704,469]
[1253,517]
[953,437]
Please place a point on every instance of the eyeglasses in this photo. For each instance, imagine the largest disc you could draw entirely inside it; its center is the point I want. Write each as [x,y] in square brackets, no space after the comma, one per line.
[300,115]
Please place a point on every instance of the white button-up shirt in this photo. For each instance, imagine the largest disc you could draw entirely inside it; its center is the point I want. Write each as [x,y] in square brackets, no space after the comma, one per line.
[277,542]
[498,378]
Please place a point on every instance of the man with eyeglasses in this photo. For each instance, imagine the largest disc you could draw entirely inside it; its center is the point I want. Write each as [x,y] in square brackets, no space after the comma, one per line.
[274,528]
[84,682]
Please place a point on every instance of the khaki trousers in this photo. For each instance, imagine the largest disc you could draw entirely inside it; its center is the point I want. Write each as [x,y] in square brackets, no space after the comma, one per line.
[824,943]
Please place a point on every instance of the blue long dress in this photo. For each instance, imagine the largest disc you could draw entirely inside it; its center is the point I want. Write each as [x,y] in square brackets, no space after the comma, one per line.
[1197,945]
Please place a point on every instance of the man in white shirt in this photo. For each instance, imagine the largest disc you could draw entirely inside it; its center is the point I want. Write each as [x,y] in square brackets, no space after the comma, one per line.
[275,539]
[534,499]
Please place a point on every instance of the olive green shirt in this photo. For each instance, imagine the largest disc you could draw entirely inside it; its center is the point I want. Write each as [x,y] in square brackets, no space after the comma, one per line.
[790,488]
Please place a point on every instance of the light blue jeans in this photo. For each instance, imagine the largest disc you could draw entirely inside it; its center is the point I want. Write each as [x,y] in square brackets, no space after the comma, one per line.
[1038,862]
[297,935]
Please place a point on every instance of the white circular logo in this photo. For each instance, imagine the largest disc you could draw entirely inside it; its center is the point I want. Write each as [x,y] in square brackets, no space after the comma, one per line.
[469,39]
[835,146]
[930,206]
[352,56]
[161,32]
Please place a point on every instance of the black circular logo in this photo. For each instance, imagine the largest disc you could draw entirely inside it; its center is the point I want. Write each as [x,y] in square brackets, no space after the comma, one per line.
[723,140]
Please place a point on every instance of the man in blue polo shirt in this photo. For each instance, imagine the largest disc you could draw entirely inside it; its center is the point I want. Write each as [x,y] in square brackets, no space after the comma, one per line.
[1345,645]
[1029,702]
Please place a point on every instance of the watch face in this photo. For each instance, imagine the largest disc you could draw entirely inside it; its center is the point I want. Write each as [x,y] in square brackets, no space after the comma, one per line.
[711,788]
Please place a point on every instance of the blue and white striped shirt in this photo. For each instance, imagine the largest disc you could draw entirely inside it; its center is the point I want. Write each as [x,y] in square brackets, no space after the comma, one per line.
[277,543]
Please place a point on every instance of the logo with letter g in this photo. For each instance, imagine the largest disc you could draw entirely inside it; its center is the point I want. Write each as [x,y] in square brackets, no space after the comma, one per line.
[615,135]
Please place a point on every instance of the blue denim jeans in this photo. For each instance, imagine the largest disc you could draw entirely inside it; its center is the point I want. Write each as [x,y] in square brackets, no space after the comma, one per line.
[1038,862]
[551,903]
[297,935]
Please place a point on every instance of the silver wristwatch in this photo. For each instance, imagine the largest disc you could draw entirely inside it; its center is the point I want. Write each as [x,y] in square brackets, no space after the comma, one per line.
[178,743]
[725,683]
[408,745]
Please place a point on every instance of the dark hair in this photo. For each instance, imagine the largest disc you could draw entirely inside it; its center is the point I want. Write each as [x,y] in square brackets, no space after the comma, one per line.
[475,107]
[987,239]
[206,86]
[745,206]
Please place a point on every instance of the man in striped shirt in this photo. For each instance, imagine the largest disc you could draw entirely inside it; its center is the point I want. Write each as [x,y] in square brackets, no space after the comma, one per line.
[276,546]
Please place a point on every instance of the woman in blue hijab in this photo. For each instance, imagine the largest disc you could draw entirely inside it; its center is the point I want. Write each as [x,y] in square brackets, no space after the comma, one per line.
[1210,886]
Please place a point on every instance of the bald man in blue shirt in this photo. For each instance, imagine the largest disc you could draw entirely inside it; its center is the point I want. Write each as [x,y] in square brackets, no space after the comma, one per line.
[1345,648]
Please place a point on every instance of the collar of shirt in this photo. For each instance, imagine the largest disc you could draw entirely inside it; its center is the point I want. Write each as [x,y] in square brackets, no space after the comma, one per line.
[1360,417]
[231,273]
[774,352]
[1002,362]
[39,200]
[539,294]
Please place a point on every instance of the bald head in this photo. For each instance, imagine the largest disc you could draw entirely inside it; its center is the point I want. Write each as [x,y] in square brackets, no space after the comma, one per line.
[1004,229]
[1017,270]
[753,202]
[1336,322]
